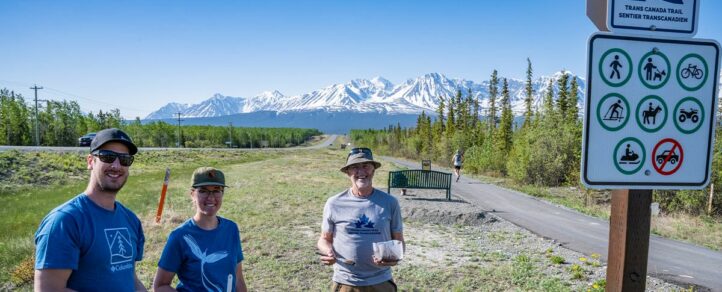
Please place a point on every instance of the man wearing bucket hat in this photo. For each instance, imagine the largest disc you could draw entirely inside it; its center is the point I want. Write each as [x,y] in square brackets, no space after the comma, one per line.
[92,242]
[205,251]
[355,219]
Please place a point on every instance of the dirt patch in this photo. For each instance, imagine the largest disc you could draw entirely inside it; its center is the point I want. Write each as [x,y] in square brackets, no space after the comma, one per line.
[446,217]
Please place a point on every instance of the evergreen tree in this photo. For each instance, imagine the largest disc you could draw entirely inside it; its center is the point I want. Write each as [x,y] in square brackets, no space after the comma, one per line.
[493,91]
[548,109]
[475,110]
[460,107]
[440,113]
[573,95]
[562,101]
[450,121]
[529,90]
[507,117]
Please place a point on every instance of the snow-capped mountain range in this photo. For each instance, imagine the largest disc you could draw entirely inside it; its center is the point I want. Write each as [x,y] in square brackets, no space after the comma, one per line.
[376,95]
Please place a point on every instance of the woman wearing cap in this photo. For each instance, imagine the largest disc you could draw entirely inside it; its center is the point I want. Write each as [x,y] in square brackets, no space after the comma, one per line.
[205,251]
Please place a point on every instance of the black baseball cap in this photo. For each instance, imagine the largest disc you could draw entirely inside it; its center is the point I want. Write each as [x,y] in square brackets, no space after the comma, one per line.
[113,135]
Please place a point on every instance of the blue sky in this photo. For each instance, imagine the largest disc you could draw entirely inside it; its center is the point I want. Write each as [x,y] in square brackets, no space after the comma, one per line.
[140,55]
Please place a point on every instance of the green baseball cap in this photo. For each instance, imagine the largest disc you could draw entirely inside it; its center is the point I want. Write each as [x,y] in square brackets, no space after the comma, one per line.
[208,176]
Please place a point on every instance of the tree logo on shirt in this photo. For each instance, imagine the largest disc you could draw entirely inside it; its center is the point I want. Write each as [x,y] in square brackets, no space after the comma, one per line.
[206,259]
[364,222]
[121,248]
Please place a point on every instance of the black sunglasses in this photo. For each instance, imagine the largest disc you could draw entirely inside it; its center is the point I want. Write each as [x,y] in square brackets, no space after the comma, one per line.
[363,150]
[108,156]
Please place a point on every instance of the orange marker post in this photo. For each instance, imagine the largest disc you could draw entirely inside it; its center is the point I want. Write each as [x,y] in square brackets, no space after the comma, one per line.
[162,196]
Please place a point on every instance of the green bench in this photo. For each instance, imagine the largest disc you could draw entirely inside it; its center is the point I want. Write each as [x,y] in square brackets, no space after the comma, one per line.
[420,179]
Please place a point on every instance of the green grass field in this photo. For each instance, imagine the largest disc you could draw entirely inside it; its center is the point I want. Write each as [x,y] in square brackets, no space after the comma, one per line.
[276,197]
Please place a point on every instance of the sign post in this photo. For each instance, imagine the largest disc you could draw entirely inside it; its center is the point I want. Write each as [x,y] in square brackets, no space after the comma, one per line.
[649,119]
[426,164]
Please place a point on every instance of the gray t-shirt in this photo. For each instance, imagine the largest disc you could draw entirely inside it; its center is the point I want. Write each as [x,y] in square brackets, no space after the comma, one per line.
[356,223]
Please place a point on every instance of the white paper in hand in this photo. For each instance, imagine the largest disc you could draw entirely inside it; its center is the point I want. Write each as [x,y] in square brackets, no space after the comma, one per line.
[392,250]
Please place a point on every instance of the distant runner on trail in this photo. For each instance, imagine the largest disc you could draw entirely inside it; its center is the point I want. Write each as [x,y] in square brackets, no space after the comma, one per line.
[355,219]
[92,242]
[458,160]
[205,251]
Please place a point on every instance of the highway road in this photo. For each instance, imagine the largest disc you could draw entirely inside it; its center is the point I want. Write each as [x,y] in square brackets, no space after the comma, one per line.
[670,260]
[323,144]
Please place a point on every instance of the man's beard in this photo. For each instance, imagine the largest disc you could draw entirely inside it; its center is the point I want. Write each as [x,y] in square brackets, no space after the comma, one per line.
[106,185]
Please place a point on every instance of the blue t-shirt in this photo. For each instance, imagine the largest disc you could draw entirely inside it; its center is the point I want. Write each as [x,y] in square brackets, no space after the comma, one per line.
[100,246]
[204,260]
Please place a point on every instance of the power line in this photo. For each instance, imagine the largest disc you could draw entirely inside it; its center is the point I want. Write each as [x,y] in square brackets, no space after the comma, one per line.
[73,96]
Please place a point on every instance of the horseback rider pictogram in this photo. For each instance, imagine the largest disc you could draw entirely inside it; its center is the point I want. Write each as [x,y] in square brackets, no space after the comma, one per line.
[651,113]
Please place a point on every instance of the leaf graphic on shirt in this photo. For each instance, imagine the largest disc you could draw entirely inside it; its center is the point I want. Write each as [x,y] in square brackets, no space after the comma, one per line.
[364,222]
[216,256]
[205,259]
[194,247]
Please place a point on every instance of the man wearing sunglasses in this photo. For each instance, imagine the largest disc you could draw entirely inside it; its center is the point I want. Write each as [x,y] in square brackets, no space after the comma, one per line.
[92,242]
[352,221]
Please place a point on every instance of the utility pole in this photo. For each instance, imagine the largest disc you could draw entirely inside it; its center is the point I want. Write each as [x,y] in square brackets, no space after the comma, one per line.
[37,133]
[178,143]
[230,134]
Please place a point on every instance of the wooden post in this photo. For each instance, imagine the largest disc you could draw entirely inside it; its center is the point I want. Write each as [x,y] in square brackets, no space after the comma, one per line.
[628,240]
[711,196]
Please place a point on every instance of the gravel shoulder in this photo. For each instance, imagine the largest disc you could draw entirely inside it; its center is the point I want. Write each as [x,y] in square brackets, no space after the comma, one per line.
[444,233]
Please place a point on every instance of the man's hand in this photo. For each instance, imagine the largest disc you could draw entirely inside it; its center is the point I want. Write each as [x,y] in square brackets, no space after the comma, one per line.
[385,262]
[328,258]
[325,247]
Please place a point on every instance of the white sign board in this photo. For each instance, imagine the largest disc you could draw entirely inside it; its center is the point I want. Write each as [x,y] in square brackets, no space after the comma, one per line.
[650,112]
[658,17]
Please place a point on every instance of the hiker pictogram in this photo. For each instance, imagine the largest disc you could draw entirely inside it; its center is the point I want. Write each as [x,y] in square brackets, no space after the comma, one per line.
[667,156]
[615,67]
[689,115]
[628,155]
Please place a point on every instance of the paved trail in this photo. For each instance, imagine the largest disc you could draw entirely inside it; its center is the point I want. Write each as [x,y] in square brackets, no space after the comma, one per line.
[668,259]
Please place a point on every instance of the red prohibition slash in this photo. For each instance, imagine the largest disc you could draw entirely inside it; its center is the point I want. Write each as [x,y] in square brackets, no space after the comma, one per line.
[670,156]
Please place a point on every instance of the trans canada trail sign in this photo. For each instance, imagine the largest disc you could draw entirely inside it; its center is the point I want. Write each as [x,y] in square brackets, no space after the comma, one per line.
[650,112]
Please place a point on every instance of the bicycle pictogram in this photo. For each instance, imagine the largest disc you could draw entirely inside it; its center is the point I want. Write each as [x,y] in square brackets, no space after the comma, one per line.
[692,71]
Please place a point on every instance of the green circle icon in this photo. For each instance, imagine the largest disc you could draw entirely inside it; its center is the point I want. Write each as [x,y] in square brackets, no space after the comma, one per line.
[649,116]
[652,71]
[629,158]
[617,112]
[688,116]
[692,72]
[614,67]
